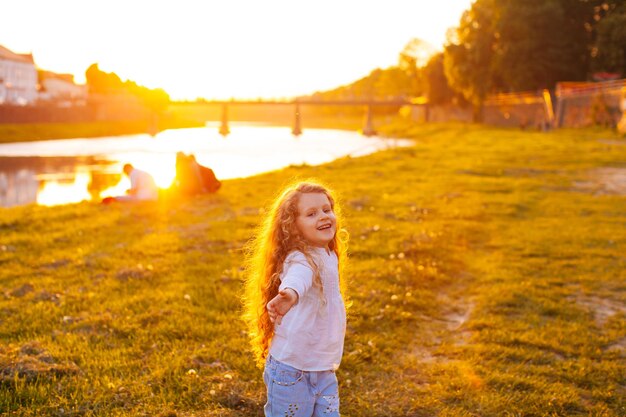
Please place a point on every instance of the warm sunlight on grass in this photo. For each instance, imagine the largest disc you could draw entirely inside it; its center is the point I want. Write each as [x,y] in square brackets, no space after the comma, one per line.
[486,272]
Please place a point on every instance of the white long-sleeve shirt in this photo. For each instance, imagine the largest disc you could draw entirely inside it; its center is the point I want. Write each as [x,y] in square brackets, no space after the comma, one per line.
[143,185]
[311,335]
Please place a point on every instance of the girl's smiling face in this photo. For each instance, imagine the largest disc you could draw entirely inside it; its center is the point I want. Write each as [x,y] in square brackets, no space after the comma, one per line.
[316,219]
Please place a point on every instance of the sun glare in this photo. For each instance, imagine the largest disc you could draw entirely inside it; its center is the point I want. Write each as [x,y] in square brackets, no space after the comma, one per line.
[62,192]
[159,166]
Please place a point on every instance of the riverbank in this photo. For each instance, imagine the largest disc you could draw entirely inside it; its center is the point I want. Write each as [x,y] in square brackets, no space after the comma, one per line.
[48,131]
[486,274]
[29,132]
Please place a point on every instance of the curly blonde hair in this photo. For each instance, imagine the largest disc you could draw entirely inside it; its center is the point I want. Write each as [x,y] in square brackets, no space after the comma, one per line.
[276,237]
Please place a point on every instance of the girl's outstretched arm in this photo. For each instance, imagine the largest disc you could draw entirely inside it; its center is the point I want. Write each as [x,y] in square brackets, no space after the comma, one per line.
[281,304]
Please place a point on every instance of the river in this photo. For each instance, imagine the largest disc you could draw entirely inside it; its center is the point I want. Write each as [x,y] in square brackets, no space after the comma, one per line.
[67,171]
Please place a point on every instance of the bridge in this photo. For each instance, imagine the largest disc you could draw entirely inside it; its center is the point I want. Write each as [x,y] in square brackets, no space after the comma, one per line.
[368,105]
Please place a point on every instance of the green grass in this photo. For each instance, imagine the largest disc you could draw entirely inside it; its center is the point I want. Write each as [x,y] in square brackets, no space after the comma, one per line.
[485,280]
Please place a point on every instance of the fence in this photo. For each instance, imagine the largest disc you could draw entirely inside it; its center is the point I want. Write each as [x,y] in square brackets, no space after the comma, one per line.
[526,109]
[573,104]
[586,104]
[440,113]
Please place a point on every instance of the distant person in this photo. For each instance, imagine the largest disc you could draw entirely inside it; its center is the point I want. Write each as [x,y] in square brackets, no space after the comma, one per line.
[210,183]
[193,178]
[188,180]
[142,186]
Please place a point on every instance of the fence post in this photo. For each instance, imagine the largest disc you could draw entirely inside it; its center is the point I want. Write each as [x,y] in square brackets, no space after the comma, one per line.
[549,110]
[621,125]
[560,104]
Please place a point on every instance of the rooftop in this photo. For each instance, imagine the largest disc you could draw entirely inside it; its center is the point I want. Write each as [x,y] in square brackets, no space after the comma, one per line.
[7,54]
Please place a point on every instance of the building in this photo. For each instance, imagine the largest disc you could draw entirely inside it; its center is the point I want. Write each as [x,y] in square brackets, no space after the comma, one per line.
[18,78]
[60,87]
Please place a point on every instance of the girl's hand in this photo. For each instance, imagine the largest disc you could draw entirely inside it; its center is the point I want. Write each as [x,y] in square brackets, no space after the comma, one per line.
[281,304]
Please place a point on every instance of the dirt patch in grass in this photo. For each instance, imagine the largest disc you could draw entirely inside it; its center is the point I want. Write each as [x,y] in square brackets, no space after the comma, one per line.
[455,321]
[31,361]
[449,329]
[22,290]
[456,318]
[56,264]
[138,272]
[601,308]
[426,356]
[617,142]
[526,172]
[44,295]
[619,346]
[603,181]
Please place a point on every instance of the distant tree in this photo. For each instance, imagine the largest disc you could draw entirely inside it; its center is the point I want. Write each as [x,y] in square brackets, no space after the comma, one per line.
[156,99]
[503,46]
[506,45]
[95,79]
[609,50]
[100,82]
[532,51]
[379,84]
[411,60]
[438,90]
[393,82]
[469,54]
[415,54]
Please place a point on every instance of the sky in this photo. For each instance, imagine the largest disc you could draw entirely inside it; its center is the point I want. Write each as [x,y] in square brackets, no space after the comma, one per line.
[227,48]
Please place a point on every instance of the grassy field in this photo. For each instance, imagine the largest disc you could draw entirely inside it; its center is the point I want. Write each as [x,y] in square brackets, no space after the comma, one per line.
[487,275]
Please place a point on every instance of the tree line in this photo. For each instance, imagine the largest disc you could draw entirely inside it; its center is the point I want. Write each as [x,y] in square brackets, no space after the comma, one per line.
[107,84]
[503,46]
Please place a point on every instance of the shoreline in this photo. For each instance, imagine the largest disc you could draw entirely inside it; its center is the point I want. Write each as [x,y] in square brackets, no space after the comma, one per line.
[61,165]
[31,132]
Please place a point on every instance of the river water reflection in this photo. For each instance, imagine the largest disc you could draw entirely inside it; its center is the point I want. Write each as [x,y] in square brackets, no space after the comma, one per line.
[73,170]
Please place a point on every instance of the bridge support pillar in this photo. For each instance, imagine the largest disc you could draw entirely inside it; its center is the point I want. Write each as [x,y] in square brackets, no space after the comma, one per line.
[368,128]
[224,130]
[297,125]
[153,124]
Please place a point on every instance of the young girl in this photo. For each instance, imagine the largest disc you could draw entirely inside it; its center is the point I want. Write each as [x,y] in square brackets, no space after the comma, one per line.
[294,305]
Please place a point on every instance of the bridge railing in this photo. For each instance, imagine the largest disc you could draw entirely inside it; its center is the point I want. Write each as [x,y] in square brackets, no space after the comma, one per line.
[367,107]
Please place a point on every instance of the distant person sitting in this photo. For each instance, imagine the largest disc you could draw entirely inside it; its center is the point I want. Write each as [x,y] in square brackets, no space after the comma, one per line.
[210,183]
[193,178]
[142,187]
[188,180]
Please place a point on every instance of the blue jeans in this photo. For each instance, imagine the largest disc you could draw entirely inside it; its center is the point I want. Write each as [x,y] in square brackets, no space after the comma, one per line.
[295,393]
